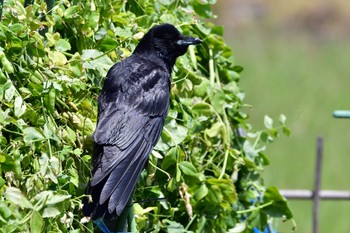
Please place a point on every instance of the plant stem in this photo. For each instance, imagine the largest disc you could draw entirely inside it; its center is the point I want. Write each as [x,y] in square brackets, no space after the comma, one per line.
[161,170]
[211,68]
[256,208]
[192,219]
[225,164]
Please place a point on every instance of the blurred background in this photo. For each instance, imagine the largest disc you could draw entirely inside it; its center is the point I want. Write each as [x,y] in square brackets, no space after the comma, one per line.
[296,56]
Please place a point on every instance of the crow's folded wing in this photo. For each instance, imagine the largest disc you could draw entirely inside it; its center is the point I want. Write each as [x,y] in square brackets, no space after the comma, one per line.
[119,169]
[129,100]
[132,135]
[130,122]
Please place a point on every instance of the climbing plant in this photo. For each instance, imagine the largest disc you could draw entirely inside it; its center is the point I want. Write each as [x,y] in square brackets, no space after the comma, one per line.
[204,174]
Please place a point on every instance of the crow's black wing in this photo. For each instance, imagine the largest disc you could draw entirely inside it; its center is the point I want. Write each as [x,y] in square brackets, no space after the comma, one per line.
[132,108]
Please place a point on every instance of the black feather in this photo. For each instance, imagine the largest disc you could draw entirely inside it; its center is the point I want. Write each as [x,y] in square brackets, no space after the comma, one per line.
[132,107]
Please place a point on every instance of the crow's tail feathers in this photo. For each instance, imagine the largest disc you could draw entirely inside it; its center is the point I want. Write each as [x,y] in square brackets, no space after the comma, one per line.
[99,222]
[118,224]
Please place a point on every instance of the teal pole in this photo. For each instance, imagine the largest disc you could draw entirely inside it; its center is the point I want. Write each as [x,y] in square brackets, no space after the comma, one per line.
[341,114]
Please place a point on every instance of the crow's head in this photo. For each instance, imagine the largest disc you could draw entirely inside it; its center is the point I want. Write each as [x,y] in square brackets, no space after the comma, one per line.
[167,42]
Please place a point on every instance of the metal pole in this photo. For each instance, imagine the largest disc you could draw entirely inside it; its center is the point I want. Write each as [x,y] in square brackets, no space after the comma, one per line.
[317,185]
[304,194]
[341,114]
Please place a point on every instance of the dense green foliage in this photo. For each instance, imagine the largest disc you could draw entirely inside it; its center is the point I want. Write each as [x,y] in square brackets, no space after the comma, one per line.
[293,159]
[206,168]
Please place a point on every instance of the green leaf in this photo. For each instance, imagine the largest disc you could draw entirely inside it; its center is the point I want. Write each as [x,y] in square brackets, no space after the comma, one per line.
[78,151]
[258,219]
[162,144]
[19,107]
[218,99]
[170,158]
[10,92]
[178,174]
[71,12]
[249,150]
[174,227]
[15,195]
[172,184]
[282,119]
[96,60]
[93,19]
[31,134]
[43,195]
[75,231]
[203,10]
[239,228]
[227,189]
[51,40]
[16,27]
[214,195]
[62,45]
[58,58]
[268,122]
[218,30]
[177,133]
[36,223]
[36,47]
[50,212]
[202,88]
[168,18]
[279,207]
[286,131]
[202,109]
[201,192]
[5,212]
[215,129]
[188,85]
[188,168]
[2,156]
[69,135]
[2,181]
[54,199]
[74,176]
[123,32]
[156,154]
[231,87]
[108,44]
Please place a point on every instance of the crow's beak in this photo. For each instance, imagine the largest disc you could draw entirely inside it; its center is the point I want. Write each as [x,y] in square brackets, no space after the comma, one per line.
[188,40]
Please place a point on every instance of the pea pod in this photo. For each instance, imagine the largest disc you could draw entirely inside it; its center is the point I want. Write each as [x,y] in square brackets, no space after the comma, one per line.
[7,65]
[36,77]
[50,100]
[17,169]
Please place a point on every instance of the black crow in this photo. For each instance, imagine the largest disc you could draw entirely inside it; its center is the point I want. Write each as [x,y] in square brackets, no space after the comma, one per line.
[131,110]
